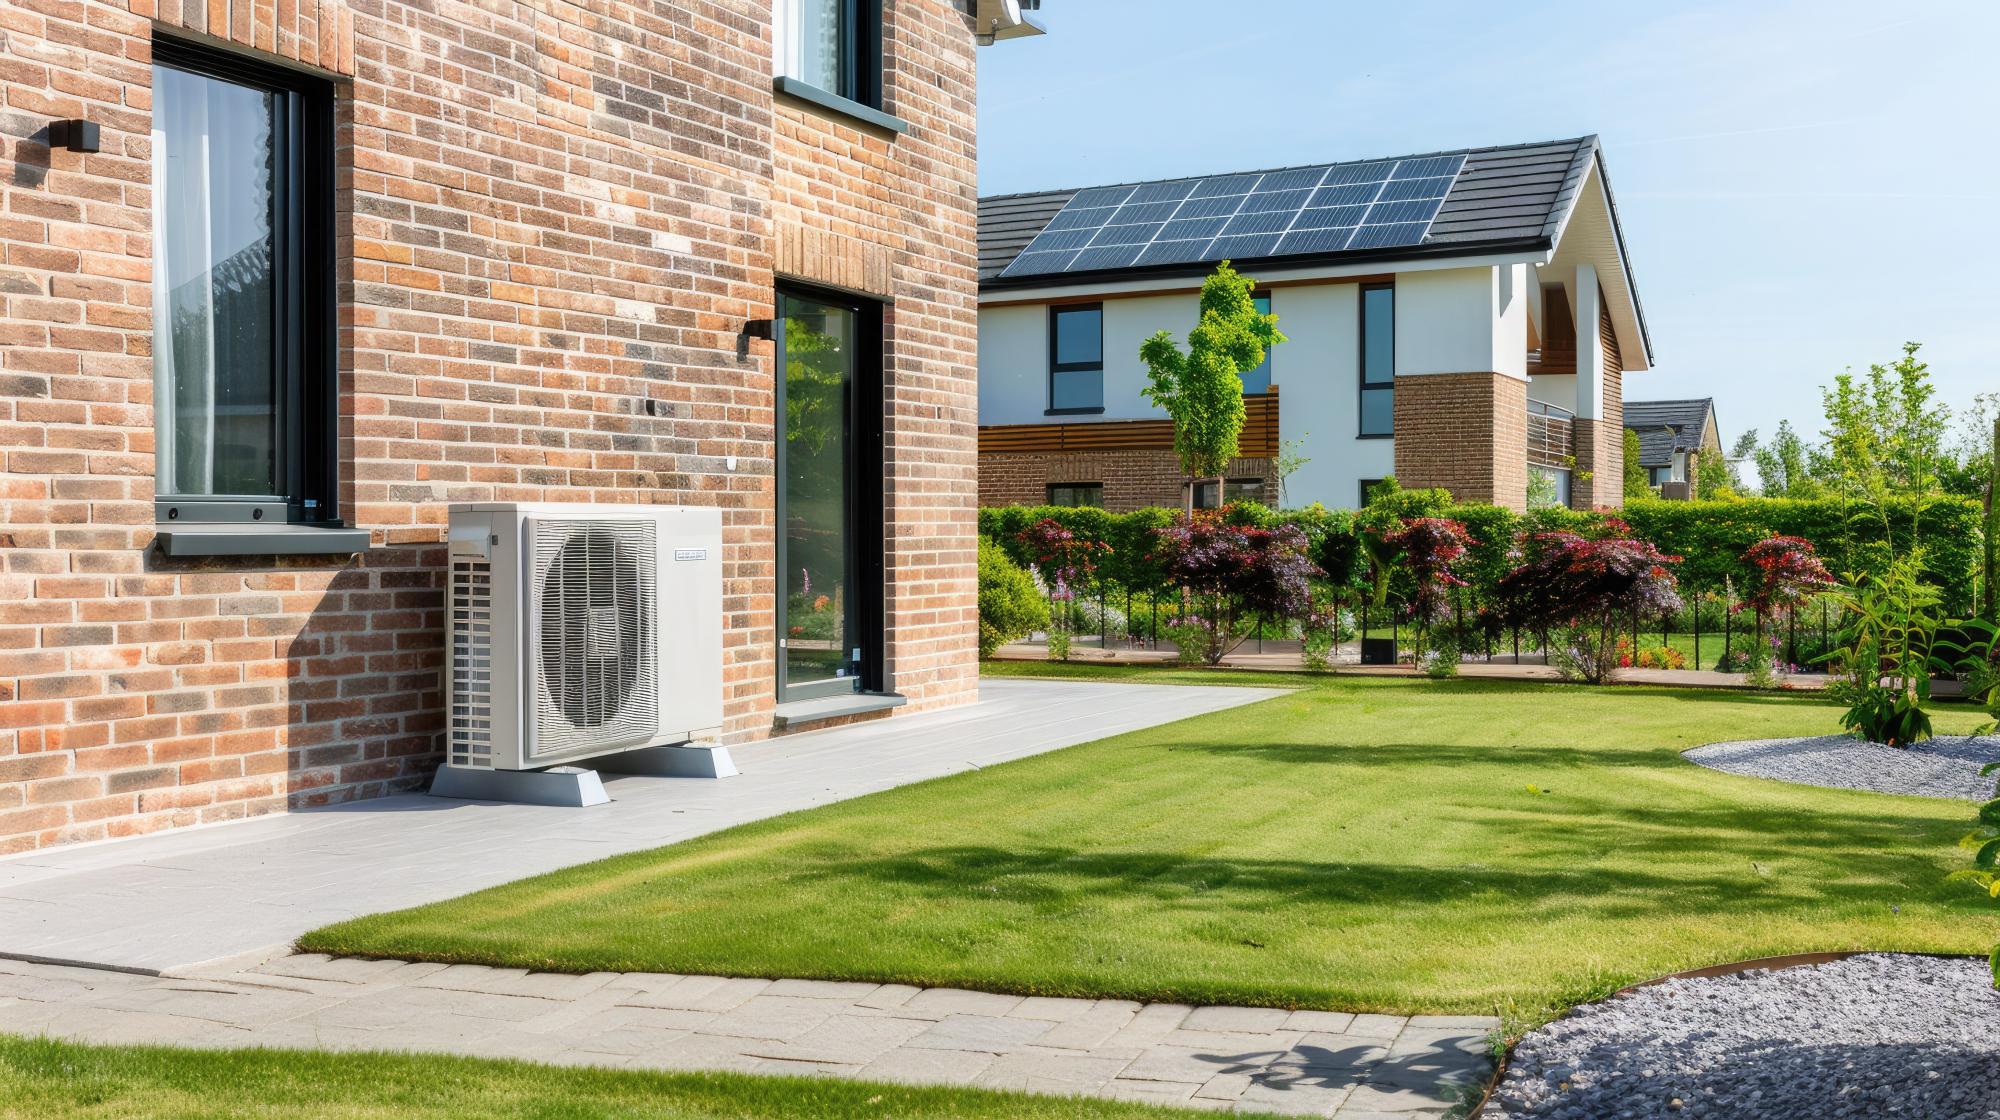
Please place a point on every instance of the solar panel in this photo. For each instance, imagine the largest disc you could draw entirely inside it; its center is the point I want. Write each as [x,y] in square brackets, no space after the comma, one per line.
[1298,211]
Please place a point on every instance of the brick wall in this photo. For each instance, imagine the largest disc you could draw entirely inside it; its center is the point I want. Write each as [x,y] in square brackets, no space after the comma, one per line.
[1466,432]
[1132,479]
[543,225]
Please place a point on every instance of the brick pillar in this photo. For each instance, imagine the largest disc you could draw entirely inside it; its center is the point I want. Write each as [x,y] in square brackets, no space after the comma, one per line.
[1466,432]
[1599,478]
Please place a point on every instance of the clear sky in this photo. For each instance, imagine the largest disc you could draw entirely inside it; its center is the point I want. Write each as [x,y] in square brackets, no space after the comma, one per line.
[1803,186]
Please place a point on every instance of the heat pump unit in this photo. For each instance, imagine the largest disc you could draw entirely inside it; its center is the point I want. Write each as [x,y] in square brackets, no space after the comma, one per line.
[581,630]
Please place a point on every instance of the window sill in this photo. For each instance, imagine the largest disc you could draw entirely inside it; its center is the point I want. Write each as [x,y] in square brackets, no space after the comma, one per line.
[1376,435]
[804,713]
[834,103]
[1098,411]
[260,540]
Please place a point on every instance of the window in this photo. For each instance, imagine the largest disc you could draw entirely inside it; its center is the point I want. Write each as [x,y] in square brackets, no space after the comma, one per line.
[1547,486]
[1657,475]
[834,46]
[243,369]
[829,421]
[1076,358]
[1259,380]
[1233,490]
[1378,361]
[1076,494]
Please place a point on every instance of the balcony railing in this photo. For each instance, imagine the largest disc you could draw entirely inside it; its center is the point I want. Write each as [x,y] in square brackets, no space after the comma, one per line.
[1551,435]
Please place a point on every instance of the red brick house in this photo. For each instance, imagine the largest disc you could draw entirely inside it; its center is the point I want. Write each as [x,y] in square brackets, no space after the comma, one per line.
[278,283]
[1460,319]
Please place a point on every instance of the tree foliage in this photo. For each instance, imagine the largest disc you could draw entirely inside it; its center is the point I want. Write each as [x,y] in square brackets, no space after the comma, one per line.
[1636,483]
[1201,387]
[1010,605]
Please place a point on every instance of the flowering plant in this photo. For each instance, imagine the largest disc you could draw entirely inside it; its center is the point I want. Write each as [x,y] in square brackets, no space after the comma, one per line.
[1431,549]
[1790,573]
[1063,562]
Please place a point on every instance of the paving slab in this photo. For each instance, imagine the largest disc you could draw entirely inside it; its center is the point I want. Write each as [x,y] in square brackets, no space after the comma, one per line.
[176,899]
[809,1028]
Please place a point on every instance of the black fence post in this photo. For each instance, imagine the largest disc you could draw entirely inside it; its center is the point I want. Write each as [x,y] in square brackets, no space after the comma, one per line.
[1696,603]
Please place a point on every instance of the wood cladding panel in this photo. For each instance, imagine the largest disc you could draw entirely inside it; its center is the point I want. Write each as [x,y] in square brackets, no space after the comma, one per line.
[1259,438]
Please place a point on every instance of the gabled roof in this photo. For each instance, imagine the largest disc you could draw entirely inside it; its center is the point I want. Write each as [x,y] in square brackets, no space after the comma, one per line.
[1665,427]
[1507,197]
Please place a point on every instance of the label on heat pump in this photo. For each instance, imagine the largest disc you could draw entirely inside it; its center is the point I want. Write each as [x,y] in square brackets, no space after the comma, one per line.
[690,554]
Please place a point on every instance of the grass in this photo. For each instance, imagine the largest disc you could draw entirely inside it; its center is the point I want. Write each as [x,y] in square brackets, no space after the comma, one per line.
[46,1079]
[1363,844]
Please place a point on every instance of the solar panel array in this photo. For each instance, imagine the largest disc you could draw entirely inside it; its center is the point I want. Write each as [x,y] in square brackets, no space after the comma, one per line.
[1302,210]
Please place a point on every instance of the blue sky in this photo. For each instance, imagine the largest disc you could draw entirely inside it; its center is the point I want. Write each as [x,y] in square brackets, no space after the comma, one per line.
[1803,186]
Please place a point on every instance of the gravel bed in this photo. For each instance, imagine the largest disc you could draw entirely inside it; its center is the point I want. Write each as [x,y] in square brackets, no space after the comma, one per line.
[1882,1035]
[1947,766]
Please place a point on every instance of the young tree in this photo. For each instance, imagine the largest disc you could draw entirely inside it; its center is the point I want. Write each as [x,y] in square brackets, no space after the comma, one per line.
[1785,465]
[1741,452]
[1291,456]
[1201,387]
[1885,439]
[1636,483]
[1711,475]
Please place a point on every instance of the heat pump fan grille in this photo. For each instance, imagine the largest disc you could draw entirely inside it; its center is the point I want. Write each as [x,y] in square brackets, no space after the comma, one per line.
[598,685]
[471,663]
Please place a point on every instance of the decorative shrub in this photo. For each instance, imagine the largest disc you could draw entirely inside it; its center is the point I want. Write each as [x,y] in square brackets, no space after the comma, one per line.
[1010,605]
[1883,664]
[1429,551]
[1235,573]
[1065,560]
[1582,591]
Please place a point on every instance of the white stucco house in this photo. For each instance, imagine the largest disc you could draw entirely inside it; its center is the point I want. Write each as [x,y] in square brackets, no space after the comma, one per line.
[1431,306]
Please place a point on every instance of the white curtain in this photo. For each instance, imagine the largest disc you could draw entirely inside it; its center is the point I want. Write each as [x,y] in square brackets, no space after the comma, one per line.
[214,369]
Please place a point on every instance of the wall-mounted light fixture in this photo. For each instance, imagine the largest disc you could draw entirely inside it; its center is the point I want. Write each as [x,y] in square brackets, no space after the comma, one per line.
[73,136]
[758,328]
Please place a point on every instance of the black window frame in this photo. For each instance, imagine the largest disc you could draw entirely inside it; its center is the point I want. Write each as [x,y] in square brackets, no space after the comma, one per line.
[865,495]
[1363,385]
[305,324]
[1056,366]
[1049,494]
[858,86]
[1266,365]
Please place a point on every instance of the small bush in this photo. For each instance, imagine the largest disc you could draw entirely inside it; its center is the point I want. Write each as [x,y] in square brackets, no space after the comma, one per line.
[1010,605]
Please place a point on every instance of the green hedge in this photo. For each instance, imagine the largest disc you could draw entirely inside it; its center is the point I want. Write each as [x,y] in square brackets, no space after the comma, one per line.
[1709,536]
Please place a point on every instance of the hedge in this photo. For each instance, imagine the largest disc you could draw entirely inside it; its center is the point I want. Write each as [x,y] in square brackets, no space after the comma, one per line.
[1709,536]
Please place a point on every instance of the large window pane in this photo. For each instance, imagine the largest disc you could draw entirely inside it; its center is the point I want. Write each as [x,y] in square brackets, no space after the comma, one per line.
[1259,380]
[215,360]
[1378,335]
[1378,412]
[1080,337]
[819,44]
[818,361]
[1076,389]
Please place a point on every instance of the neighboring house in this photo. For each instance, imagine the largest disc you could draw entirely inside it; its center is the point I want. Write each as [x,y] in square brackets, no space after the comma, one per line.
[1430,305]
[337,265]
[1674,436]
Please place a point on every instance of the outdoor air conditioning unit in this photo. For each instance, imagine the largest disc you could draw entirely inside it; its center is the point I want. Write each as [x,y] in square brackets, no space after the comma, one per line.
[578,632]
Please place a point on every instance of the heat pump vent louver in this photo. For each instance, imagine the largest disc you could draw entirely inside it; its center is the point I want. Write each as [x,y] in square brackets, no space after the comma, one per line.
[597,666]
[471,663]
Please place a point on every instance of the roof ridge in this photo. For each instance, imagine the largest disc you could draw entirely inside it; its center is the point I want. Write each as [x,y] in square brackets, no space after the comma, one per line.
[1589,140]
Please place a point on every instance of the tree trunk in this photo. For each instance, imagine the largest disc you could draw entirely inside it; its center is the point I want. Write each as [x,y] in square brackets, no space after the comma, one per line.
[1993,526]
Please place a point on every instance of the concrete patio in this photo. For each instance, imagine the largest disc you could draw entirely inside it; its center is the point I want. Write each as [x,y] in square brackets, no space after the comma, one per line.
[1317,1063]
[175,900]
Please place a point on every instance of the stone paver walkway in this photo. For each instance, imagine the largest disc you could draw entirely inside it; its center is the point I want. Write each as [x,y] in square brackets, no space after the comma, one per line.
[175,899]
[1318,1063]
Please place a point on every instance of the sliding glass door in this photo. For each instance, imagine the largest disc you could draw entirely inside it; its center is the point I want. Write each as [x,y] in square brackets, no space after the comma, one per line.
[829,496]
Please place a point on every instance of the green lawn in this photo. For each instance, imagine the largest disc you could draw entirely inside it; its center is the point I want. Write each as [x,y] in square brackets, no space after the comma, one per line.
[1362,844]
[48,1080]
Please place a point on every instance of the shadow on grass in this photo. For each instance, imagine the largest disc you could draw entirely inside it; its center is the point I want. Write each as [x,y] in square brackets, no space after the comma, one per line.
[1060,878]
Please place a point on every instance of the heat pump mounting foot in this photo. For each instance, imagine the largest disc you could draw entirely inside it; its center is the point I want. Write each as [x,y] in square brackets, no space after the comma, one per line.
[567,786]
[686,760]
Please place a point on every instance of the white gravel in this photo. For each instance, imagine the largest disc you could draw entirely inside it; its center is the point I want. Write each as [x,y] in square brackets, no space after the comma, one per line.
[1882,1035]
[1943,767]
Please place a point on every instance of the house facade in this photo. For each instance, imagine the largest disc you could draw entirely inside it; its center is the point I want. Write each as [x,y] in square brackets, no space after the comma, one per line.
[1674,438]
[1460,319]
[278,284]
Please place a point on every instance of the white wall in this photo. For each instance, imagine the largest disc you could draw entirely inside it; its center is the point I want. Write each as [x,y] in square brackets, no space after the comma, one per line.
[1013,364]
[1462,320]
[1318,375]
[1558,389]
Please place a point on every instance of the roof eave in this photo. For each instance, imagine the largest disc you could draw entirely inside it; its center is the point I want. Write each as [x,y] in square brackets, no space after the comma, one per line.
[1203,268]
